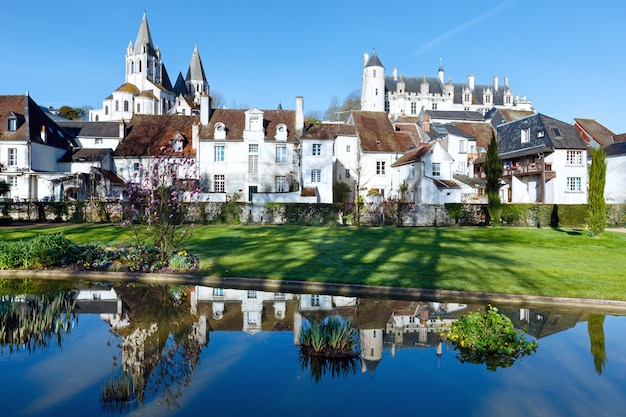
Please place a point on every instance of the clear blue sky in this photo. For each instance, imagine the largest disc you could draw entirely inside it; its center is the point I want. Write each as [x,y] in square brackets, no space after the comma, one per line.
[569,58]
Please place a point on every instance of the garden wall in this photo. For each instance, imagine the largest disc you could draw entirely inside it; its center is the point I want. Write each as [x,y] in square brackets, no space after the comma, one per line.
[387,213]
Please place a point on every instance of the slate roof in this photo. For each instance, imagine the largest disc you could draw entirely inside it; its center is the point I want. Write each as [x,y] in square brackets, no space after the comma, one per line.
[234,122]
[181,86]
[616,149]
[413,84]
[455,115]
[30,118]
[144,36]
[92,129]
[196,70]
[378,135]
[89,154]
[498,116]
[556,135]
[373,61]
[147,134]
[597,131]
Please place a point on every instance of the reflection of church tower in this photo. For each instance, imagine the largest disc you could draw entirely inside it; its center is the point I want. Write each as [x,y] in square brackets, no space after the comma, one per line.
[371,349]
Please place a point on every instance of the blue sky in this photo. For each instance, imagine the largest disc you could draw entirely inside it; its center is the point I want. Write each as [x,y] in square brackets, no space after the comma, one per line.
[569,58]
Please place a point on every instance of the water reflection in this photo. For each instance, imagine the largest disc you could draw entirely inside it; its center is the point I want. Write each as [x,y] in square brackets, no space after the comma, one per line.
[160,332]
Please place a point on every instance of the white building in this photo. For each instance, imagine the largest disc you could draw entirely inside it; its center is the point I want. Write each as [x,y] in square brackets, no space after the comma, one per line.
[397,94]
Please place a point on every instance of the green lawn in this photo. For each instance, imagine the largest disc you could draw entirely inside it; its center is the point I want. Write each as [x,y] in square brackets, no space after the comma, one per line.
[545,262]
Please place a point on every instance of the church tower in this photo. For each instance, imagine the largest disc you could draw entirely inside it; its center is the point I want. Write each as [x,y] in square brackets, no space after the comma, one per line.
[373,87]
[195,80]
[143,61]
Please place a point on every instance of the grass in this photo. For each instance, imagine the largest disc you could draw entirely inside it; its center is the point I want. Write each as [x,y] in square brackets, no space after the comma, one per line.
[546,262]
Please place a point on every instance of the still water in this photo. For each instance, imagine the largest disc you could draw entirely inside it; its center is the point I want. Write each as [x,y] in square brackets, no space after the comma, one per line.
[216,351]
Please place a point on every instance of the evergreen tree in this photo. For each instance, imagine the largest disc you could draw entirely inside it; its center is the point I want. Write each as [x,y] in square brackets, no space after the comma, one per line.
[595,328]
[597,179]
[493,171]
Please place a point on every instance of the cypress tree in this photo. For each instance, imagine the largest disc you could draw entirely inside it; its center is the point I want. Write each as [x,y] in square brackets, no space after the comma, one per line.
[597,178]
[493,171]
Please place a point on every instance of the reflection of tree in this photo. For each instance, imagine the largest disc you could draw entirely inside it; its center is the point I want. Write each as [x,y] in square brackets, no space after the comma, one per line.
[336,367]
[160,345]
[595,328]
[33,321]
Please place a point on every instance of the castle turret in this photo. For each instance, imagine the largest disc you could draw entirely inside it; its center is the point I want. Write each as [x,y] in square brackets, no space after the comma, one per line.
[373,87]
[196,79]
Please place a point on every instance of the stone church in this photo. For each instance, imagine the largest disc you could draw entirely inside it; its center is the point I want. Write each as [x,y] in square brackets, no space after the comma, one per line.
[147,88]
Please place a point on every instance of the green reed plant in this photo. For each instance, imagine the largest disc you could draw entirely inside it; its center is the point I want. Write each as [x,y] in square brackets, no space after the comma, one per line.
[332,337]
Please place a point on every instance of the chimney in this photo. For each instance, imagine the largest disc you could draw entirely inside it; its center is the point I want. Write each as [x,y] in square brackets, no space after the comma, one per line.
[470,81]
[205,110]
[394,72]
[122,131]
[366,58]
[195,135]
[495,83]
[506,81]
[299,115]
[43,133]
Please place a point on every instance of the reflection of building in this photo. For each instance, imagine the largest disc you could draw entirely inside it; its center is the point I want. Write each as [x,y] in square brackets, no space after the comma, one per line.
[542,323]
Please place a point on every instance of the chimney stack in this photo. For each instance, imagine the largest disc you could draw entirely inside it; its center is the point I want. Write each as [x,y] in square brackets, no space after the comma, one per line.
[470,81]
[299,115]
[495,83]
[43,133]
[122,131]
[205,110]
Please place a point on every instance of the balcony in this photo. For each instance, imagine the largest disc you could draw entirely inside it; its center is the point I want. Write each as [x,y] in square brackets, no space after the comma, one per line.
[519,170]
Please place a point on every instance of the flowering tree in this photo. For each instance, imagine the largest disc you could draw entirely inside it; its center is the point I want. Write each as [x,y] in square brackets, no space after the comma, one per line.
[156,209]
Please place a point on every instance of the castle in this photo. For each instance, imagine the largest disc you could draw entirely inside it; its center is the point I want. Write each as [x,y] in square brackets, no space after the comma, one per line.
[147,88]
[399,95]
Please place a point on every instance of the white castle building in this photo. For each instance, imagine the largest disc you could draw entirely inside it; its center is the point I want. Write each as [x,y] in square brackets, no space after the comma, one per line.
[401,95]
[147,88]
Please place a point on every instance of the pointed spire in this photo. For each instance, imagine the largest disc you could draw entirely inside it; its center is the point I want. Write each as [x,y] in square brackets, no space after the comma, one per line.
[144,37]
[196,70]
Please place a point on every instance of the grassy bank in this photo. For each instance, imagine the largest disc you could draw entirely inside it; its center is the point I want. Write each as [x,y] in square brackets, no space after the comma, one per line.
[545,262]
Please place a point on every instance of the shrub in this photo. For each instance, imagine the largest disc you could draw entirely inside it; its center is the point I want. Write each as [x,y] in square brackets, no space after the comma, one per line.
[489,337]
[333,337]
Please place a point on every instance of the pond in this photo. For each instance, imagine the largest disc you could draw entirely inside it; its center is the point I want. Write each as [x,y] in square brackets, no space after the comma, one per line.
[78,348]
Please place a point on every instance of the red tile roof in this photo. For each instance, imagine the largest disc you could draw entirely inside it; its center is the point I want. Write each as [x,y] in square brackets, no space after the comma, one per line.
[378,135]
[234,122]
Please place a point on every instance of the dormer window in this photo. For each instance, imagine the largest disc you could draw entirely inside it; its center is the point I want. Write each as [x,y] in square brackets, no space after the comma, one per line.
[12,124]
[177,145]
[281,132]
[525,135]
[220,131]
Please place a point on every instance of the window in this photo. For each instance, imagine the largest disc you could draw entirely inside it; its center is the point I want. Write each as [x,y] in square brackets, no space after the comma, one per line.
[12,157]
[573,184]
[412,171]
[13,181]
[525,135]
[574,158]
[434,106]
[219,153]
[436,169]
[348,148]
[315,300]
[117,105]
[218,292]
[138,108]
[177,145]
[281,184]
[12,124]
[488,98]
[219,183]
[125,105]
[462,146]
[253,148]
[106,109]
[281,154]
[466,97]
[374,73]
[251,293]
[347,173]
[316,175]
[380,167]
[253,164]
[136,166]
[413,108]
[317,149]
[99,141]
[556,131]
